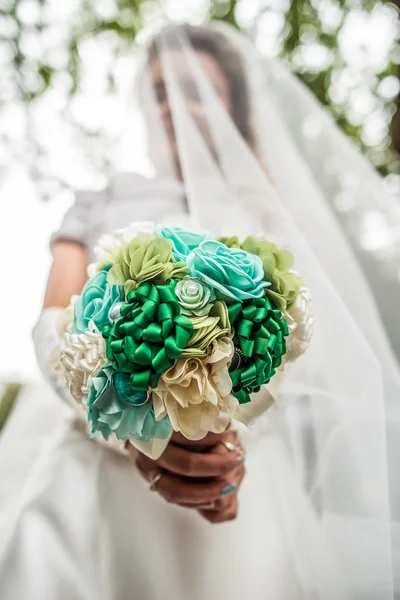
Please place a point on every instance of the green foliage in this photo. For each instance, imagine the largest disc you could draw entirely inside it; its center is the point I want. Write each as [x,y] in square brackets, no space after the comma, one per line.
[31,76]
[303,20]
[224,10]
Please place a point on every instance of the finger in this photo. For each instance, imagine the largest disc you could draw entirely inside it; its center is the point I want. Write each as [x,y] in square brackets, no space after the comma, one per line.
[211,441]
[225,446]
[223,502]
[220,505]
[181,461]
[229,514]
[175,490]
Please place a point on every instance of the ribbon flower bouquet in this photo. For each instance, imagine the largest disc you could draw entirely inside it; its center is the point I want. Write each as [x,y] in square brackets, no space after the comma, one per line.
[175,330]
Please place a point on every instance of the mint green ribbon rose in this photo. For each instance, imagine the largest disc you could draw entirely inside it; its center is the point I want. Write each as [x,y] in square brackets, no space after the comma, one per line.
[183,240]
[113,407]
[235,274]
[95,301]
[277,263]
[195,297]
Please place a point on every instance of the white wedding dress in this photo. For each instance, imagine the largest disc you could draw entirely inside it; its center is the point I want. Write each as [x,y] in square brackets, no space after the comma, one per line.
[78,522]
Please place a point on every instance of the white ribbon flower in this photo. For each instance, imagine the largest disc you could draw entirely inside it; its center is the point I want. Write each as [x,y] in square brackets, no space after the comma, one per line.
[63,326]
[300,320]
[196,393]
[82,356]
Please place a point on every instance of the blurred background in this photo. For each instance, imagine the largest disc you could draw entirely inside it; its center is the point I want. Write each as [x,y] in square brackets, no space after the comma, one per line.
[68,67]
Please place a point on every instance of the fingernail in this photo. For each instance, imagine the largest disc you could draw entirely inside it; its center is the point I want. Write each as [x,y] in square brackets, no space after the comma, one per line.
[244,457]
[228,489]
[241,458]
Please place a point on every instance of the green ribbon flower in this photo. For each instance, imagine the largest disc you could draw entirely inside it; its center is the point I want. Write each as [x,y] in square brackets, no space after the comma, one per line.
[113,407]
[144,260]
[150,334]
[277,264]
[195,297]
[259,345]
[207,329]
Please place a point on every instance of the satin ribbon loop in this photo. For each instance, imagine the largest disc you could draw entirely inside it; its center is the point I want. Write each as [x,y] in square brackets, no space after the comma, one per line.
[260,340]
[247,347]
[249,312]
[273,326]
[153,333]
[285,328]
[164,312]
[244,328]
[140,381]
[149,309]
[167,294]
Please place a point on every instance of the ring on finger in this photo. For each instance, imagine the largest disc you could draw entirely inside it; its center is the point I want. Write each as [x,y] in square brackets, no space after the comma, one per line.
[153,483]
[210,506]
[231,447]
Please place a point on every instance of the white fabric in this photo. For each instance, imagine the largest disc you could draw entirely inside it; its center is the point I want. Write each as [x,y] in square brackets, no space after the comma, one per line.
[332,410]
[81,524]
[314,516]
[46,338]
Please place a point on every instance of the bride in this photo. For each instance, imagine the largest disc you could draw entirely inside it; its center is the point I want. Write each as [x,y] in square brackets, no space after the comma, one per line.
[304,504]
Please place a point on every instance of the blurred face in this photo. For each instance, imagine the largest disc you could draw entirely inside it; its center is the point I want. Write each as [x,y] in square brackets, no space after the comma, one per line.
[189,91]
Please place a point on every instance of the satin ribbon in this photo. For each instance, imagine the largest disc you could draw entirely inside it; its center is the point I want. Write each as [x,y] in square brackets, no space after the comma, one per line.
[150,334]
[277,264]
[259,337]
[207,329]
[113,407]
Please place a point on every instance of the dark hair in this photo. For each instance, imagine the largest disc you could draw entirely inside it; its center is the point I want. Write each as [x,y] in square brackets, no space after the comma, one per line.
[216,45]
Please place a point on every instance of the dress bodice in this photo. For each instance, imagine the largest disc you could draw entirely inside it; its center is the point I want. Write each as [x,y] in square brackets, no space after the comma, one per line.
[129,197]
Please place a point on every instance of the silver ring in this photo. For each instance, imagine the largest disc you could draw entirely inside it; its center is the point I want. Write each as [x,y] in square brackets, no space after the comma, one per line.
[154,481]
[211,506]
[231,447]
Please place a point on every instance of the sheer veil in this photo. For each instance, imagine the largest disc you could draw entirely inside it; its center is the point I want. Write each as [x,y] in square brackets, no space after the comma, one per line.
[334,471]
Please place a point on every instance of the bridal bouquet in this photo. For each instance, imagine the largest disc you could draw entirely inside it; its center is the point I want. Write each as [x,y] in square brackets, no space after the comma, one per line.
[175,330]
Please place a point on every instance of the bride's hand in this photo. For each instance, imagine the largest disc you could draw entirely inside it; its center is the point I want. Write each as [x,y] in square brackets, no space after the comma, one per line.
[207,481]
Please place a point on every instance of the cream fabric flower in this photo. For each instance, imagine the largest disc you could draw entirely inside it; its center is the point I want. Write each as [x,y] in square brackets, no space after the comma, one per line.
[81,356]
[63,326]
[300,320]
[196,393]
[108,243]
